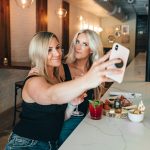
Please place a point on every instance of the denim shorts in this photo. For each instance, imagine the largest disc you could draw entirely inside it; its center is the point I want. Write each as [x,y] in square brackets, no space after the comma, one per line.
[16,142]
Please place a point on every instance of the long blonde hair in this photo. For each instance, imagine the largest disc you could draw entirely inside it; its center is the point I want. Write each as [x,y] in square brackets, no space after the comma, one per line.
[38,52]
[95,45]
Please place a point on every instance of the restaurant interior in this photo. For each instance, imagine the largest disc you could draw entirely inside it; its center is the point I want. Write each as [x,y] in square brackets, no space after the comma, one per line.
[123,21]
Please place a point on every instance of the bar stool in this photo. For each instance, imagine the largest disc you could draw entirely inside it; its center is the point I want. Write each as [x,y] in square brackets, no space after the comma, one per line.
[18,85]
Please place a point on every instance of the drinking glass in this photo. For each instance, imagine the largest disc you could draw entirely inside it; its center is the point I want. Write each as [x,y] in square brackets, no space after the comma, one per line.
[96,111]
[76,112]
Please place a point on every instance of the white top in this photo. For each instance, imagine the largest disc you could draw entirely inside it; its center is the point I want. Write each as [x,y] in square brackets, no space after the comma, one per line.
[112,133]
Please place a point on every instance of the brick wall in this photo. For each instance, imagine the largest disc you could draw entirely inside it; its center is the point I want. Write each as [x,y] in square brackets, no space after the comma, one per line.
[8,77]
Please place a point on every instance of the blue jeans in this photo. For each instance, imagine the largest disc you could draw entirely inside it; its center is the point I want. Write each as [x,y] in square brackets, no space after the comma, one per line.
[16,142]
[68,127]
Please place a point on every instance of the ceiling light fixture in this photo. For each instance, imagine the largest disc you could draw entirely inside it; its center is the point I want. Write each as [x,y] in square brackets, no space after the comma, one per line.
[61,12]
[119,10]
[24,3]
[131,1]
[146,7]
[113,11]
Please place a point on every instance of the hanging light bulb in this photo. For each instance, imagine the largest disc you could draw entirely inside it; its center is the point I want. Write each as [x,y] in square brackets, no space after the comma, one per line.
[61,12]
[24,3]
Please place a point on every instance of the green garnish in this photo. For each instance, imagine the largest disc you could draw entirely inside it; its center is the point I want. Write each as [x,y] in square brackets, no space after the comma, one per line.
[95,103]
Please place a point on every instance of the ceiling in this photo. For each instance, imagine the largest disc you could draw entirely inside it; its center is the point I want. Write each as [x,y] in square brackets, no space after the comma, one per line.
[140,7]
[118,8]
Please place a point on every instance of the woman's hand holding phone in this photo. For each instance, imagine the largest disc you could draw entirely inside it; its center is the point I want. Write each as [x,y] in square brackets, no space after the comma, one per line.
[122,53]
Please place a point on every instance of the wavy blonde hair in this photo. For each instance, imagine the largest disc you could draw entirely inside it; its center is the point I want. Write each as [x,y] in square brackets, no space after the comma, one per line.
[95,45]
[38,53]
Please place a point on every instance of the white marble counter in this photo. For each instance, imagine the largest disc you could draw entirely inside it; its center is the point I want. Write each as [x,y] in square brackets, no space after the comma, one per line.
[112,133]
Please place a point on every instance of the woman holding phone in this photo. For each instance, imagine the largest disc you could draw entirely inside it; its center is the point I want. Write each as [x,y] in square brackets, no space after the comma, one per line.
[86,48]
[45,95]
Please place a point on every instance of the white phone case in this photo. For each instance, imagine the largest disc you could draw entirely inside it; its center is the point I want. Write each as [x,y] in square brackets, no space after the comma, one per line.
[118,51]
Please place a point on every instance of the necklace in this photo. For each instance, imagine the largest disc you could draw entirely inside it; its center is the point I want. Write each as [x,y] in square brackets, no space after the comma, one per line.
[79,71]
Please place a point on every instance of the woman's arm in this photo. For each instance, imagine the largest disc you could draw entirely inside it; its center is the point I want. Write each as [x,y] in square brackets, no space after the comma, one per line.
[37,89]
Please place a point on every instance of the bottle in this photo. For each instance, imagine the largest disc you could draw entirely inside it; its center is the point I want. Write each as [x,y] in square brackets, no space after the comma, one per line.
[117,106]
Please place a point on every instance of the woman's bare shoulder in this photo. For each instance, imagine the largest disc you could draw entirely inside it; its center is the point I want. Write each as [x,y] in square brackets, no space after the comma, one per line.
[34,89]
[36,83]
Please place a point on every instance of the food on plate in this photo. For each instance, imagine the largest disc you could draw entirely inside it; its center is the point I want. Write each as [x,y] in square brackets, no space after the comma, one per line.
[124,101]
[118,110]
[130,107]
[136,111]
[141,106]
[137,114]
[107,105]
[114,106]
[121,101]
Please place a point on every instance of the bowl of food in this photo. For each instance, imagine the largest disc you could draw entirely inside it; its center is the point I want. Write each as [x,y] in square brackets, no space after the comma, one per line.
[136,115]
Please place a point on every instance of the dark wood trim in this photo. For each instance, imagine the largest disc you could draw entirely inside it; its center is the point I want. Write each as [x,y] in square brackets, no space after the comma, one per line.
[65,29]
[41,15]
[5,32]
[16,67]
[148,51]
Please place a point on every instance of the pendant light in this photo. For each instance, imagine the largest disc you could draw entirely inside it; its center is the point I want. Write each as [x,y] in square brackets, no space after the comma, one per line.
[24,3]
[61,12]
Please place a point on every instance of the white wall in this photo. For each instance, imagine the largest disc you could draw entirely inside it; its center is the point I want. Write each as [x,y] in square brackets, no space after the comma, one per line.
[22,28]
[54,22]
[108,25]
[74,22]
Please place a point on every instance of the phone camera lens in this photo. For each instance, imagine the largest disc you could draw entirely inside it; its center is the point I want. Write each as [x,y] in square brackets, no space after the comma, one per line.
[116,47]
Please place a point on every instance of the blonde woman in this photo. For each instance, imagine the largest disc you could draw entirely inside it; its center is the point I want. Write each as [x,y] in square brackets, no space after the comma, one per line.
[86,47]
[45,96]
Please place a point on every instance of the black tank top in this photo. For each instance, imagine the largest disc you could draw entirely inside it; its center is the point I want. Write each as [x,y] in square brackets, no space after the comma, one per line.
[83,107]
[40,122]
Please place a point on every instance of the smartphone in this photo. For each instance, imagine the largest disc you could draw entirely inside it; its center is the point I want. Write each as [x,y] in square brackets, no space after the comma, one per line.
[120,52]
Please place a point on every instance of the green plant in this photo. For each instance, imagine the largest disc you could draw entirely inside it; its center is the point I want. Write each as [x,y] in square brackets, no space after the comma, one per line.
[95,103]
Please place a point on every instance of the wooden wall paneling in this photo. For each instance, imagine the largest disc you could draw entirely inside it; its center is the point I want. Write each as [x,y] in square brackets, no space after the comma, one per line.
[147,76]
[1,32]
[41,15]
[5,31]
[65,29]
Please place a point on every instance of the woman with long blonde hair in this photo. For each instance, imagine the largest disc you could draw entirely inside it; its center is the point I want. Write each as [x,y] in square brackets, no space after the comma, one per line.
[86,48]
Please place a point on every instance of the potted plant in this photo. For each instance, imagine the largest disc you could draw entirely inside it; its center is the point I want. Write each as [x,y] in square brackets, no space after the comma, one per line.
[96,109]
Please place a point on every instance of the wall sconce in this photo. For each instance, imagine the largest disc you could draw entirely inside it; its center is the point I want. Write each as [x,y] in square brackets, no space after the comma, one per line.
[118,30]
[125,29]
[24,3]
[61,12]
[117,27]
[111,39]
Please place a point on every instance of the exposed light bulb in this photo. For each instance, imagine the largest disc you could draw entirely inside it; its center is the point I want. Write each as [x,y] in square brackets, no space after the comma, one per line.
[24,3]
[81,18]
[61,12]
[119,9]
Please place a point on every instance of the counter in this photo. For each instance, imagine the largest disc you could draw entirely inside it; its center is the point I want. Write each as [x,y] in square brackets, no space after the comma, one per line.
[112,133]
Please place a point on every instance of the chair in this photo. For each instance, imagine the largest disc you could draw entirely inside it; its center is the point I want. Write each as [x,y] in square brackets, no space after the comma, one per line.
[18,85]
